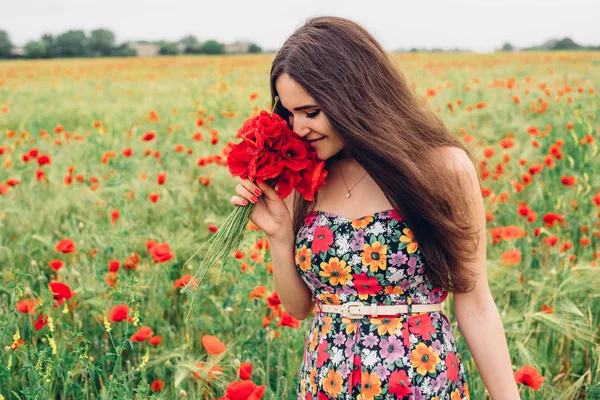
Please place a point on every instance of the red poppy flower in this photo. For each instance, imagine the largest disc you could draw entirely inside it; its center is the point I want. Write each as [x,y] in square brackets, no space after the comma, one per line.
[40,322]
[245,370]
[127,152]
[56,264]
[155,340]
[273,300]
[160,252]
[213,345]
[119,313]
[322,239]
[60,292]
[153,197]
[148,136]
[65,246]
[244,390]
[184,280]
[157,385]
[288,320]
[113,265]
[44,159]
[27,306]
[115,216]
[529,376]
[131,262]
[161,178]
[144,333]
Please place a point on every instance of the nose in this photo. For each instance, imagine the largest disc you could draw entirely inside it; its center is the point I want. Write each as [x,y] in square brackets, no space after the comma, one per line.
[298,128]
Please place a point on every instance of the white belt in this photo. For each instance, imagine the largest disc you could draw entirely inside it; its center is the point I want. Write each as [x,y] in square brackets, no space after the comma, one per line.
[356,309]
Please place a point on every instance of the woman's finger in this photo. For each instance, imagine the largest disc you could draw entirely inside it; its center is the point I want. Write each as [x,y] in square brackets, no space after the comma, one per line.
[251,186]
[238,201]
[247,194]
[269,192]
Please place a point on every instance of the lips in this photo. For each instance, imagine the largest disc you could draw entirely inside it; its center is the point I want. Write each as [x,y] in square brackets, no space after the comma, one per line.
[315,140]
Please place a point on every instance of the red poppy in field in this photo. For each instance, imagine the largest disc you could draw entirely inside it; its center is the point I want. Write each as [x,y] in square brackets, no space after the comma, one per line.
[148,136]
[113,265]
[213,345]
[119,313]
[40,322]
[3,189]
[114,216]
[153,197]
[143,334]
[16,344]
[161,178]
[60,292]
[131,262]
[127,152]
[155,340]
[56,264]
[157,386]
[288,320]
[44,159]
[12,182]
[529,376]
[245,370]
[65,246]
[153,116]
[160,252]
[568,180]
[273,300]
[244,390]
[111,279]
[27,306]
[184,280]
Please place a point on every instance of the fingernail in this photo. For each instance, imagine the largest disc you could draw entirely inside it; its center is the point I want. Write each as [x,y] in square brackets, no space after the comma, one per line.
[254,199]
[245,202]
[258,192]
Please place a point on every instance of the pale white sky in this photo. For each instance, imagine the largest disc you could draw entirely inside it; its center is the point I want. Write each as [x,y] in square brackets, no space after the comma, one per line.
[479,25]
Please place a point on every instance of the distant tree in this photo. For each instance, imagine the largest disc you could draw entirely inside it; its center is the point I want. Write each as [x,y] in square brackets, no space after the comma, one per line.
[101,43]
[566,44]
[124,50]
[168,49]
[254,48]
[191,45]
[212,47]
[6,45]
[35,49]
[507,47]
[73,43]
[50,45]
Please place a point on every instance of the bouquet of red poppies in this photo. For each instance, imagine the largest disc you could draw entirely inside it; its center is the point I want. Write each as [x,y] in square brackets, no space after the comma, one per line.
[269,151]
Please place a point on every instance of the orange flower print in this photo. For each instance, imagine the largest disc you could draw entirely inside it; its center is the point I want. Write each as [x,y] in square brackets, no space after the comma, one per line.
[303,258]
[333,383]
[363,222]
[374,256]
[408,237]
[387,325]
[424,359]
[370,386]
[336,271]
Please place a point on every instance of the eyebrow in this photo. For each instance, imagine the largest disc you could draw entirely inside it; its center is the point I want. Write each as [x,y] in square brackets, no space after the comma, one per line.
[305,107]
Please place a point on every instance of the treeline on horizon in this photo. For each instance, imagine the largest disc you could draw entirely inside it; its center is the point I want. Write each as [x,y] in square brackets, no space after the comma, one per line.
[102,43]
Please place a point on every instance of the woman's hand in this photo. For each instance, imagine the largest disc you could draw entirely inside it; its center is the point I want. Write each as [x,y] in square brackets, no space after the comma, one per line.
[270,214]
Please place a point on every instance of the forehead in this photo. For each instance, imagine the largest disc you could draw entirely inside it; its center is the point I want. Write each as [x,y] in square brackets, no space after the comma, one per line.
[291,93]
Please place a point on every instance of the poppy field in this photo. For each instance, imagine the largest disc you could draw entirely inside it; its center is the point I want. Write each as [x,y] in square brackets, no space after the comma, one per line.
[113,173]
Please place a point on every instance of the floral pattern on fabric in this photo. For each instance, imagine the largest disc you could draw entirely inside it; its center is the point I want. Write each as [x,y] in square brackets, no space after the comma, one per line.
[377,259]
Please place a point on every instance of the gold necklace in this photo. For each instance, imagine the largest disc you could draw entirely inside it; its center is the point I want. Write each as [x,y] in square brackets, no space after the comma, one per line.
[348,194]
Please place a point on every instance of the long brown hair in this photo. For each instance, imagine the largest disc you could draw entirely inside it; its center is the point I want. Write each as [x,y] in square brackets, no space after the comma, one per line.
[384,127]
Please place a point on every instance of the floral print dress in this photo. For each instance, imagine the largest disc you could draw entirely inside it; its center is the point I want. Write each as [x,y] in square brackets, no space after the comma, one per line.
[406,356]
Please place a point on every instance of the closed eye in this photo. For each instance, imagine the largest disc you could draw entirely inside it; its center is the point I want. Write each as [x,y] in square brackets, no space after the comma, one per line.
[313,114]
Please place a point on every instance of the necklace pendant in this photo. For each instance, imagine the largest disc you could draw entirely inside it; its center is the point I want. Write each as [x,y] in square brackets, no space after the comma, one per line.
[348,195]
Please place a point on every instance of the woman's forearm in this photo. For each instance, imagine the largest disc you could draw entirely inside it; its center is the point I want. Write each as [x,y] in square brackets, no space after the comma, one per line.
[295,296]
[484,335]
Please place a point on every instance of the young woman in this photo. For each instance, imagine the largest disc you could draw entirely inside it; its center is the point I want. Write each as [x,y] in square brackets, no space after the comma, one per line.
[398,225]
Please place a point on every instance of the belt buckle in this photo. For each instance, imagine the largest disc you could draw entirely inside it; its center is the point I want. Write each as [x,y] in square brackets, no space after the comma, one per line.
[345,310]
